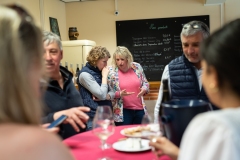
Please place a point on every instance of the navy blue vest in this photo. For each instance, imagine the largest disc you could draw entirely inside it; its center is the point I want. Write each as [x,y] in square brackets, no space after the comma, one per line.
[87,95]
[183,80]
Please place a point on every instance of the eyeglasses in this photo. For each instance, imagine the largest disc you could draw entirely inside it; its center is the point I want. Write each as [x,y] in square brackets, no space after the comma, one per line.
[21,12]
[195,26]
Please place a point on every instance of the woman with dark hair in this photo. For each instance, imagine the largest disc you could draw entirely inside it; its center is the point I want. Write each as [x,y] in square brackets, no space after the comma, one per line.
[93,81]
[214,135]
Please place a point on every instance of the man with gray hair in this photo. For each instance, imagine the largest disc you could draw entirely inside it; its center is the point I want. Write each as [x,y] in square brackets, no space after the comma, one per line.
[184,72]
[61,97]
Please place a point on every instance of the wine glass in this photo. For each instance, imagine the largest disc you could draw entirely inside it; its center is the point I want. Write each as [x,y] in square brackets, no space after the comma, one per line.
[153,132]
[103,126]
[154,128]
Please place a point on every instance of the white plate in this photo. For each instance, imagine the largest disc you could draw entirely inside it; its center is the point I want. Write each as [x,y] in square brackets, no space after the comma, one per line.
[153,127]
[121,146]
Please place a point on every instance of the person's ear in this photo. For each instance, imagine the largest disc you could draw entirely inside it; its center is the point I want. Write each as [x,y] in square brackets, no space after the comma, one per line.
[213,79]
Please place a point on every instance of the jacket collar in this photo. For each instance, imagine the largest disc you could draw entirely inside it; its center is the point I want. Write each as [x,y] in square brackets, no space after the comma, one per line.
[92,67]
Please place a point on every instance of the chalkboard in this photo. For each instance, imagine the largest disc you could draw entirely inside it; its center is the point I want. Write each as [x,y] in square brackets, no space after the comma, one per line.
[154,42]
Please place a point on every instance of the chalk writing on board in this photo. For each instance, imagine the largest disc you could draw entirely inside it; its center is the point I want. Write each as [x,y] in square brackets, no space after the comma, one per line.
[177,44]
[154,42]
[152,26]
[144,51]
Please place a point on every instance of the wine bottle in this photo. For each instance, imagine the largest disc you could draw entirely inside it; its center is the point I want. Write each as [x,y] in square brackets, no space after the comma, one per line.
[77,70]
[71,69]
[66,65]
[165,98]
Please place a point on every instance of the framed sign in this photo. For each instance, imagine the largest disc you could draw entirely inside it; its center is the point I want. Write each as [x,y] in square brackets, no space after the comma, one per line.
[54,26]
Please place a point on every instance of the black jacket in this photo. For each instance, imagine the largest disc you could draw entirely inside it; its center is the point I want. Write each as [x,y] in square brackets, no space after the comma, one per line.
[57,99]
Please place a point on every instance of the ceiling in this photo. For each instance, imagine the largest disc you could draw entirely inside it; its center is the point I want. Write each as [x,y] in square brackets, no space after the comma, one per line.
[214,1]
[206,1]
[75,0]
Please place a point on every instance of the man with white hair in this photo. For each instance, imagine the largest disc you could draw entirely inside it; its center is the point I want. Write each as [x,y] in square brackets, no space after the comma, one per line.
[184,72]
[61,97]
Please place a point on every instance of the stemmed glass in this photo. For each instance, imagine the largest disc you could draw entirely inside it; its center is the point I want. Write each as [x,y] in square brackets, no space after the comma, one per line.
[154,131]
[103,126]
[154,128]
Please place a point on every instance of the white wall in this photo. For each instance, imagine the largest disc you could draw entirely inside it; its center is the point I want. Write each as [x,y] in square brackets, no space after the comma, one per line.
[55,9]
[50,8]
[32,6]
[232,10]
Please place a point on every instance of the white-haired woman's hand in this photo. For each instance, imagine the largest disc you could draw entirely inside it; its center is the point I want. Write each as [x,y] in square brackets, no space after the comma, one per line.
[125,93]
[141,93]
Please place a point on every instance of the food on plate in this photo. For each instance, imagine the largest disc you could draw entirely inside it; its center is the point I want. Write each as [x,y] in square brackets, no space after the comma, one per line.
[136,130]
[133,143]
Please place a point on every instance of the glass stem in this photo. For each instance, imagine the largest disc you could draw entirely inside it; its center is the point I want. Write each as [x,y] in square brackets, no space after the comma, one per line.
[103,143]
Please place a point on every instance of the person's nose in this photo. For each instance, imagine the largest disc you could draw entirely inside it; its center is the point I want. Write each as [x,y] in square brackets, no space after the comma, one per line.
[190,49]
[47,56]
[121,62]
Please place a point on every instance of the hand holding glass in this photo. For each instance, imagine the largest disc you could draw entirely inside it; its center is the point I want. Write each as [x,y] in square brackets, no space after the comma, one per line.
[154,129]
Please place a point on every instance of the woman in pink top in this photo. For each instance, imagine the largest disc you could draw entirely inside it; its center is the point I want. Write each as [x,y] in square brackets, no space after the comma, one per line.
[128,81]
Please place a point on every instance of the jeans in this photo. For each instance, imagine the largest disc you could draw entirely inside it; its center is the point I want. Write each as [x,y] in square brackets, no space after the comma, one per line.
[131,116]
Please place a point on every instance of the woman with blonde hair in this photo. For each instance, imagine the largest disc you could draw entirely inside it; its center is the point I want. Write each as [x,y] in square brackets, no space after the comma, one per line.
[93,81]
[21,54]
[129,84]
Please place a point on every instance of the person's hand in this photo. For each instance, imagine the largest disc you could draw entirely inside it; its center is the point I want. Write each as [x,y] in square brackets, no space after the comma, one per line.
[163,146]
[141,93]
[108,97]
[105,72]
[95,98]
[52,130]
[125,93]
[75,115]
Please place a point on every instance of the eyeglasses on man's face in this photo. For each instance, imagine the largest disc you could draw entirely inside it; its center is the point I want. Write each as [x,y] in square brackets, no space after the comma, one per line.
[195,26]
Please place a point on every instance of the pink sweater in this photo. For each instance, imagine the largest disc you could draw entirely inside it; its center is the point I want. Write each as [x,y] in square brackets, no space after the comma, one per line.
[129,81]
